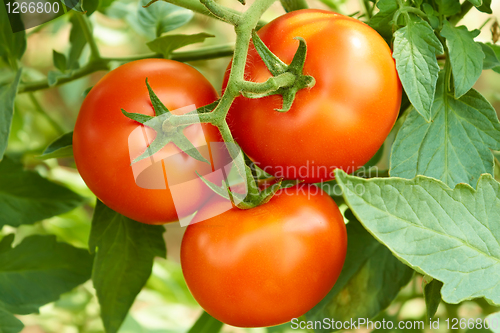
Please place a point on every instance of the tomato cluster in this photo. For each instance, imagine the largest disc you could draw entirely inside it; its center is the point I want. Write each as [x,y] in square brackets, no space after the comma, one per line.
[267,265]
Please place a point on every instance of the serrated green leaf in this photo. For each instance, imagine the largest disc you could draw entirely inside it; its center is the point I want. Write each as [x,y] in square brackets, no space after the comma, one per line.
[60,147]
[370,279]
[466,57]
[455,146]
[9,323]
[26,197]
[40,269]
[124,259]
[77,42]
[448,7]
[12,45]
[432,295]
[59,60]
[450,235]
[490,57]
[8,93]
[415,50]
[206,324]
[161,17]
[166,44]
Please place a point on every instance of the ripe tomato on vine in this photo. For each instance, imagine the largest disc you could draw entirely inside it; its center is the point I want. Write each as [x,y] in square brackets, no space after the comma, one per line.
[342,120]
[266,265]
[104,151]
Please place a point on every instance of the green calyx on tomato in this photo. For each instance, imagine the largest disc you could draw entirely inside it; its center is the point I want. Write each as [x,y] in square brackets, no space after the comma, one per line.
[279,68]
[165,131]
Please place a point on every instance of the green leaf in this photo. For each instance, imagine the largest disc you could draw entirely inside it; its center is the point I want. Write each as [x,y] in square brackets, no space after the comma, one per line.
[382,21]
[415,50]
[432,294]
[466,57]
[477,3]
[496,50]
[12,45]
[370,279]
[39,270]
[123,263]
[455,146]
[9,323]
[161,17]
[61,147]
[485,8]
[77,42]
[6,242]
[492,319]
[26,197]
[490,56]
[8,93]
[206,324]
[166,44]
[448,7]
[450,235]
[59,60]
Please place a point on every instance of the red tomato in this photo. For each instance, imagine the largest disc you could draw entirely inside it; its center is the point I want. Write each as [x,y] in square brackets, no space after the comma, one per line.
[267,265]
[105,141]
[339,123]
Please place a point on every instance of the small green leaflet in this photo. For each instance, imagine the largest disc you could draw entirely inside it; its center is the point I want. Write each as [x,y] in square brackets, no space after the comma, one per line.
[9,323]
[59,61]
[8,93]
[466,57]
[492,56]
[432,294]
[448,7]
[77,41]
[161,17]
[485,7]
[12,45]
[125,250]
[382,20]
[476,3]
[450,235]
[370,280]
[26,197]
[39,270]
[61,147]
[166,44]
[415,50]
[206,324]
[455,146]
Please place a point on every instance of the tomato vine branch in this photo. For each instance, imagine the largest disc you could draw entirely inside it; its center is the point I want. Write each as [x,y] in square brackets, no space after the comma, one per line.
[102,64]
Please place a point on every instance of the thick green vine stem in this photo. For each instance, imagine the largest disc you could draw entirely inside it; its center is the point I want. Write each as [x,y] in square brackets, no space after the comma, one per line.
[286,81]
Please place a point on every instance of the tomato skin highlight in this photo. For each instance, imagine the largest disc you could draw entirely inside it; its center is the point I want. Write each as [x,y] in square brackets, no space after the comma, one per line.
[267,265]
[342,121]
[101,139]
